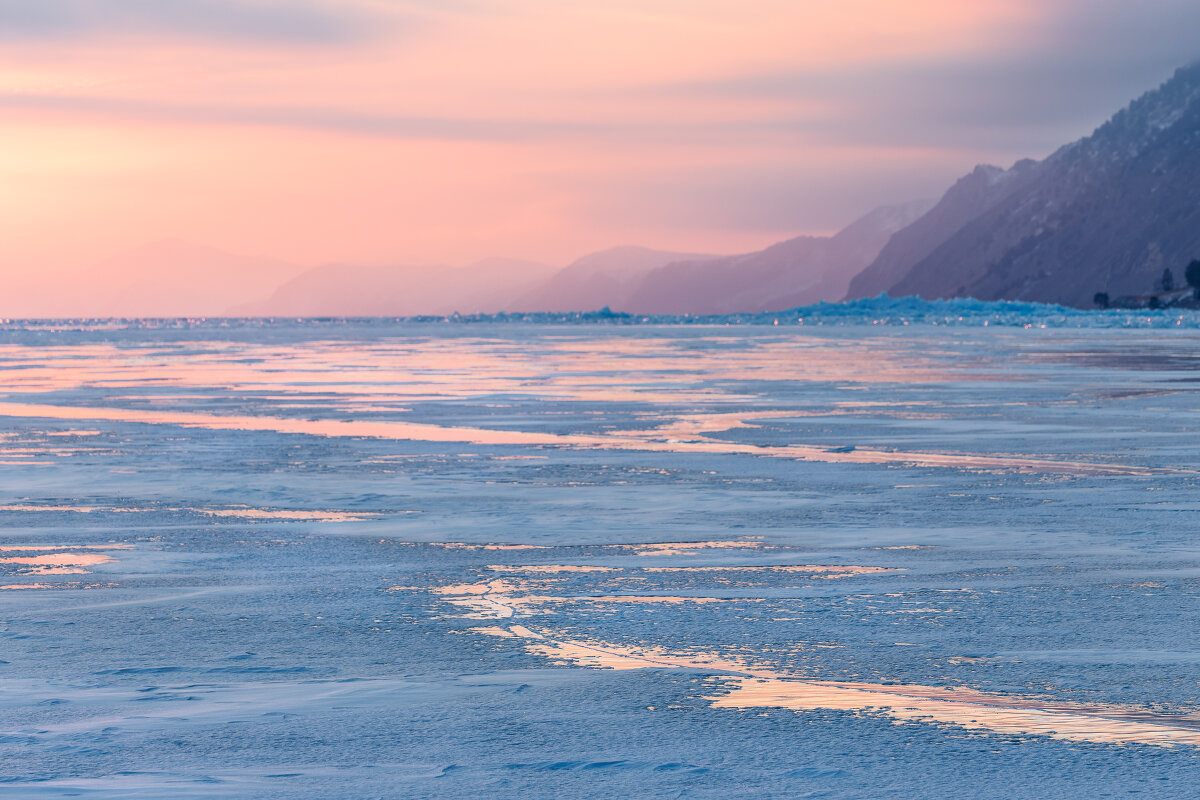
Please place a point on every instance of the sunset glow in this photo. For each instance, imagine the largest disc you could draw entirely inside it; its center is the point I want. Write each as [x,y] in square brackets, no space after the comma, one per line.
[440,133]
[514,399]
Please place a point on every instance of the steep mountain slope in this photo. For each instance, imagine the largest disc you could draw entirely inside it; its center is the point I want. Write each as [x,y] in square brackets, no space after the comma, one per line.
[606,278]
[803,270]
[1106,213]
[968,199]
[354,290]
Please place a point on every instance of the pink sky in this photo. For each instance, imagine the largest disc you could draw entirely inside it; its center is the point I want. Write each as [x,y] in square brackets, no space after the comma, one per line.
[450,130]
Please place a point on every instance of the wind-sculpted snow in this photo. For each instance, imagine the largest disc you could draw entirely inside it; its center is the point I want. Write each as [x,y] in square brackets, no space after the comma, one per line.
[323,559]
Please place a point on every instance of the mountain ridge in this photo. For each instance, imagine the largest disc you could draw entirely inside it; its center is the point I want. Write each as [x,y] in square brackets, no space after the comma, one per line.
[485,286]
[605,278]
[794,272]
[1108,212]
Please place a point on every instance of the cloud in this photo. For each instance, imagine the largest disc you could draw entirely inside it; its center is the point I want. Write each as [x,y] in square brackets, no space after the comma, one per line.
[1081,62]
[317,118]
[381,124]
[279,21]
[776,201]
[1085,61]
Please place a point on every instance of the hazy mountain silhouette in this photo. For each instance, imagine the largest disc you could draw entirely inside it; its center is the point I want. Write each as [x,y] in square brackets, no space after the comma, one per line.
[607,278]
[795,272]
[174,278]
[1106,213]
[798,271]
[352,290]
[966,200]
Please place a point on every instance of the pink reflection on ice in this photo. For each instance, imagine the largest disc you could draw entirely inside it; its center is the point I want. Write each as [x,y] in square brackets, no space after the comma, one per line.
[60,559]
[356,376]
[652,440]
[690,548]
[57,559]
[610,368]
[13,548]
[466,546]
[967,708]
[750,686]
[549,569]
[235,512]
[824,571]
[658,598]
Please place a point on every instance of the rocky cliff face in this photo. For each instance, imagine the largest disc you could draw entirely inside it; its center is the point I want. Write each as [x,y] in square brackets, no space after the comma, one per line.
[1105,213]
[796,272]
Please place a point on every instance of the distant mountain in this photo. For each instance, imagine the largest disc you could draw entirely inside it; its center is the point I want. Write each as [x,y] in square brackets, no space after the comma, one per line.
[1106,213]
[796,272]
[978,192]
[351,290]
[174,278]
[606,278]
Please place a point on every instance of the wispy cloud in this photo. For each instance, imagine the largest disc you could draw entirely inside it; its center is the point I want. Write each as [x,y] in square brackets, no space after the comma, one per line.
[279,21]
[407,127]
[769,199]
[537,127]
[314,118]
[1088,60]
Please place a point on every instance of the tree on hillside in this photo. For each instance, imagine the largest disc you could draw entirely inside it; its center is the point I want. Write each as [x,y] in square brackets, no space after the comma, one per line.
[1192,275]
[1168,280]
[1100,299]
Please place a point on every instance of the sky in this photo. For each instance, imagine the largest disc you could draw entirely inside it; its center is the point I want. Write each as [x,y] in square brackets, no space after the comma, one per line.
[444,131]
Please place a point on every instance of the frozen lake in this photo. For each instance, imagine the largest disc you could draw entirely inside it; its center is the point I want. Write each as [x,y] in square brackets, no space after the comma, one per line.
[437,560]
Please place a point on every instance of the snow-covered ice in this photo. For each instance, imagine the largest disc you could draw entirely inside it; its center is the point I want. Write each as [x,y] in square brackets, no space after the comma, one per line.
[898,554]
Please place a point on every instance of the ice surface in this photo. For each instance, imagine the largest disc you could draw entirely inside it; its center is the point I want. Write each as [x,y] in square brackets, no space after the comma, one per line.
[379,558]
[882,310]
